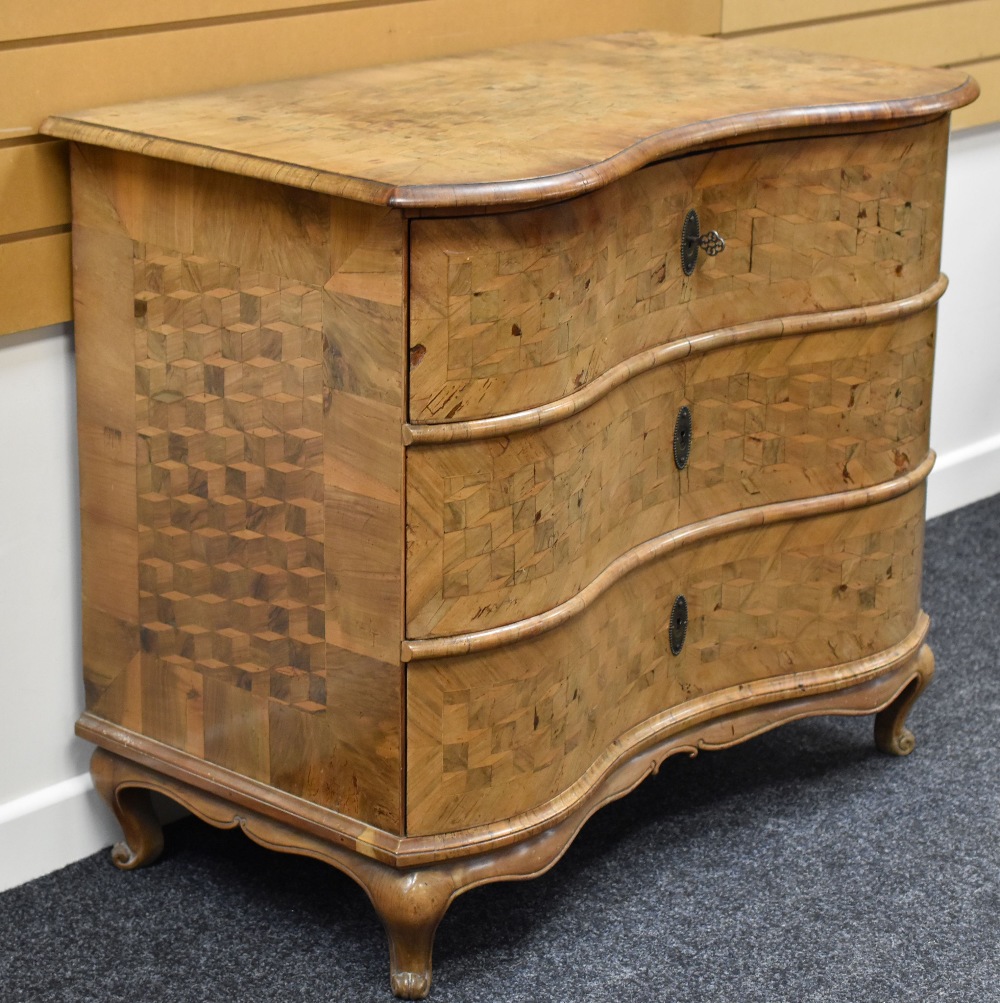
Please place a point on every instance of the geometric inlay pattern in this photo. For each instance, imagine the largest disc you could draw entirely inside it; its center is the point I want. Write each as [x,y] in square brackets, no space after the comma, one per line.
[229,402]
[502,529]
[527,720]
[515,310]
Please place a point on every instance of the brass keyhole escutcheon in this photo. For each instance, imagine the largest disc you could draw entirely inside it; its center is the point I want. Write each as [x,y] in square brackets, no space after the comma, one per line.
[677,631]
[693,241]
[682,437]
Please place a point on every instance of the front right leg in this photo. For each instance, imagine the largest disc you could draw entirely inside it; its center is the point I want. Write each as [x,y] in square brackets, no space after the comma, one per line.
[891,734]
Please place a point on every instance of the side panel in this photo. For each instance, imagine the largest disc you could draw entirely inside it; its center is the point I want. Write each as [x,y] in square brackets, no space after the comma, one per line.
[235,340]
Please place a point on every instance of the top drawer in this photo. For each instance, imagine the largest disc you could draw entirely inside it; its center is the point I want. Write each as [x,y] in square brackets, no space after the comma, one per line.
[521,309]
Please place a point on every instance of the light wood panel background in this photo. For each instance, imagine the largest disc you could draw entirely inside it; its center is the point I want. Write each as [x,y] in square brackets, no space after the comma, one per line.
[62,57]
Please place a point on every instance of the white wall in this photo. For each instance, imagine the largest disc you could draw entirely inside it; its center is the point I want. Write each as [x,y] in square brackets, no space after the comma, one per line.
[965,413]
[49,814]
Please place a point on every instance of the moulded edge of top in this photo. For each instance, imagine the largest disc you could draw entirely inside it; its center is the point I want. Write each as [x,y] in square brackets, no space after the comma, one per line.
[752,126]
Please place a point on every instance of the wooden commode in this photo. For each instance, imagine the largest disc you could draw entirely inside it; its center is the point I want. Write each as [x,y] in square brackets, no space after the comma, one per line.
[459,440]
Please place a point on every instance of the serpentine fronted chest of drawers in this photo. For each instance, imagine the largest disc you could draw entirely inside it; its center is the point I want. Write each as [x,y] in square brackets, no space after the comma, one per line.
[442,472]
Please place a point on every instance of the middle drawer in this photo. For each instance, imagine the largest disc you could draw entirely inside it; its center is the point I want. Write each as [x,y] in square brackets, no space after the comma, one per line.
[507,527]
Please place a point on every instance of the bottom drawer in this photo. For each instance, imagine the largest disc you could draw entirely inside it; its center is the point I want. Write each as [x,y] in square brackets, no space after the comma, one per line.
[497,733]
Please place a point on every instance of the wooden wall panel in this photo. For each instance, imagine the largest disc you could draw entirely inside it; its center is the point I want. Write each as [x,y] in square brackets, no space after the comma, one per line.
[743,15]
[939,34]
[26,20]
[60,57]
[957,33]
[41,80]
[986,110]
[34,187]
[35,287]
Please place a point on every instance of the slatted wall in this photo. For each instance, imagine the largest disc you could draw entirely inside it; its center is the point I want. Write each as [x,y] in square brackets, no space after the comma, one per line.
[959,33]
[58,57]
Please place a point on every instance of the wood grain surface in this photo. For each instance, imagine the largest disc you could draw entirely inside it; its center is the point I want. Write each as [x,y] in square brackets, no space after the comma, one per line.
[457,131]
[216,467]
[267,495]
[505,528]
[617,375]
[498,733]
[515,310]
[411,898]
[386,525]
[58,58]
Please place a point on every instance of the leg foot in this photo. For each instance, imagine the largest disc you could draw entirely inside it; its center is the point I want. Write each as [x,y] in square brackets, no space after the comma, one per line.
[143,841]
[891,734]
[411,905]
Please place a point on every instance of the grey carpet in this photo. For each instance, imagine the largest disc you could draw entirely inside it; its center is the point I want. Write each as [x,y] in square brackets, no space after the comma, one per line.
[803,866]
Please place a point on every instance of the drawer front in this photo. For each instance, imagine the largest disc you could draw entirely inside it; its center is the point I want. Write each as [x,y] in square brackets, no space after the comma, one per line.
[521,309]
[507,527]
[500,732]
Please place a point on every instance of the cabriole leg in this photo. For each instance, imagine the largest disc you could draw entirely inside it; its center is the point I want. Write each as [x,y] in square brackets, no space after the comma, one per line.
[143,841]
[411,905]
[891,734]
